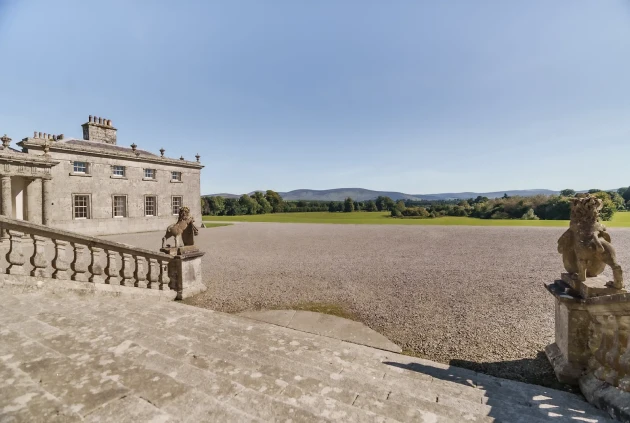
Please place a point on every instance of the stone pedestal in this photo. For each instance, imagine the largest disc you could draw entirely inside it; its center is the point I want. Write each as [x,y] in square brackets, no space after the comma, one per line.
[185,271]
[569,354]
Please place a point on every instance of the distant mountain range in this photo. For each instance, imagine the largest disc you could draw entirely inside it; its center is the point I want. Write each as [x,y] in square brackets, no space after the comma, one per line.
[360,194]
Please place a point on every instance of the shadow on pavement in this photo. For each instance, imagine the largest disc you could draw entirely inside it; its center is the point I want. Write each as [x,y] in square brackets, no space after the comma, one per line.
[501,395]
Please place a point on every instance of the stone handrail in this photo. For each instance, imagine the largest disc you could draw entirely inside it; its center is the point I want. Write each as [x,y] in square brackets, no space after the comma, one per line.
[82,257]
[609,341]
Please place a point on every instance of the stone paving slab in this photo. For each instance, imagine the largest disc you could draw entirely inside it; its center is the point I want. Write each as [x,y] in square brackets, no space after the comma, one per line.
[141,360]
[324,325]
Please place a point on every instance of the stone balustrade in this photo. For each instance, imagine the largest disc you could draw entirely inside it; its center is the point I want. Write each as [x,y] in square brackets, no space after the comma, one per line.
[42,252]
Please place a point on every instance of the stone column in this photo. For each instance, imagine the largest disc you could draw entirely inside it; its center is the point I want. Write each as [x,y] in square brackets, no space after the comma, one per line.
[46,201]
[34,201]
[7,204]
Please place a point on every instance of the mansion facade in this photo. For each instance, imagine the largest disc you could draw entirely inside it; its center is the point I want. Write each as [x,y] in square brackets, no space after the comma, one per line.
[94,186]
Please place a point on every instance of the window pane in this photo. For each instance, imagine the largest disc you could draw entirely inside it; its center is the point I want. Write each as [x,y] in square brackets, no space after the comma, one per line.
[120,206]
[176,204]
[81,206]
[149,206]
[119,170]
[79,167]
[176,176]
[149,173]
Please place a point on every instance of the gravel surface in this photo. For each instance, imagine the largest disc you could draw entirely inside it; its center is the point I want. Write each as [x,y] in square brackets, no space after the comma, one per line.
[469,296]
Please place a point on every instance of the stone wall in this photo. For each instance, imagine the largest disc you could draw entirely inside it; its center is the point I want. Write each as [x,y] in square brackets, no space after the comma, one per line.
[102,185]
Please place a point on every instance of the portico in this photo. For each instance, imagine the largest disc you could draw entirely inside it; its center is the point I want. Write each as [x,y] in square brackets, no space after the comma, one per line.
[24,184]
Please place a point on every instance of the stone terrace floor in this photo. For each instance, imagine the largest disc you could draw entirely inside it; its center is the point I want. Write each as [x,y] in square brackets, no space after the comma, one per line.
[68,357]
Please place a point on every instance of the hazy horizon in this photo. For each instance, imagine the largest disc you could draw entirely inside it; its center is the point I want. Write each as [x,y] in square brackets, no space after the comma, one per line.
[417,97]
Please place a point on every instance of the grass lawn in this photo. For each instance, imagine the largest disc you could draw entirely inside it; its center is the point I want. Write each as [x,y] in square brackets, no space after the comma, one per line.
[621,219]
[214,225]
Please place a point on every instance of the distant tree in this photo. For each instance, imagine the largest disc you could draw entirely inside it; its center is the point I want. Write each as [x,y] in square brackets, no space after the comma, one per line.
[205,210]
[594,190]
[530,215]
[396,213]
[302,203]
[248,204]
[370,206]
[608,207]
[384,203]
[621,191]
[339,205]
[232,207]
[332,207]
[626,194]
[215,205]
[505,196]
[617,200]
[400,206]
[276,201]
[264,205]
[357,206]
[481,199]
[567,192]
[348,205]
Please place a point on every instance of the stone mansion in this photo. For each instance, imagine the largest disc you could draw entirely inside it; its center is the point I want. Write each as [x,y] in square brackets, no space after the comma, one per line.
[94,186]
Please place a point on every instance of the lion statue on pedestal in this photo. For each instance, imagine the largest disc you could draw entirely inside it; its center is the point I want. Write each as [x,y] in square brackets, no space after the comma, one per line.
[184,230]
[586,246]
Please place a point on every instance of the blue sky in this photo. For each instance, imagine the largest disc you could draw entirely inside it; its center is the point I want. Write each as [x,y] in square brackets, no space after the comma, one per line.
[413,96]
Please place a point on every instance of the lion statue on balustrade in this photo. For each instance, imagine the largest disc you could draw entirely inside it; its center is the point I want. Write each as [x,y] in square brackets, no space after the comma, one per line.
[184,230]
[586,246]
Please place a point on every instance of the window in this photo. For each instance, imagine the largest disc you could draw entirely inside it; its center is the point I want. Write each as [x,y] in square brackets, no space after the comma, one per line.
[120,206]
[118,171]
[176,176]
[176,203]
[150,205]
[79,167]
[81,206]
[149,173]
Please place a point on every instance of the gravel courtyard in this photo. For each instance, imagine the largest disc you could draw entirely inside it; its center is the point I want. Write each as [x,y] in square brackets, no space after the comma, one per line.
[469,296]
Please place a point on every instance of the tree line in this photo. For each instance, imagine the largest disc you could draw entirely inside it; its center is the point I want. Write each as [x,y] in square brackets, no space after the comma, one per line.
[271,202]
[546,207]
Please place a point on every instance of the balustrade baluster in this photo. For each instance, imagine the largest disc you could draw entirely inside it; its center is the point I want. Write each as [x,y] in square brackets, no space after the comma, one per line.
[95,268]
[38,259]
[164,279]
[15,256]
[126,273]
[154,274]
[79,264]
[112,267]
[141,272]
[60,263]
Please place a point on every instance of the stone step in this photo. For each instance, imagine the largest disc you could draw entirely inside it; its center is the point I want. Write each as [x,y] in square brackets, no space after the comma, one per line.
[366,400]
[543,400]
[151,385]
[521,397]
[171,334]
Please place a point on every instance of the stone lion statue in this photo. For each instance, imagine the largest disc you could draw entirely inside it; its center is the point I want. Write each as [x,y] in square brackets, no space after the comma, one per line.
[586,246]
[184,230]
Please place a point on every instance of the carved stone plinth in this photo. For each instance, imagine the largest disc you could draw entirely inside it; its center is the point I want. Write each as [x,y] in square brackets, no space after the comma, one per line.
[185,272]
[175,251]
[597,286]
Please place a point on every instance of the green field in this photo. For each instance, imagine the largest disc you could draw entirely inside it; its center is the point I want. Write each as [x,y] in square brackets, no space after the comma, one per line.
[214,225]
[621,219]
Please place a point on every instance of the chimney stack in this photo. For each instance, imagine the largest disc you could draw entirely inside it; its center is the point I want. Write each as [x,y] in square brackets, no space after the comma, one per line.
[99,129]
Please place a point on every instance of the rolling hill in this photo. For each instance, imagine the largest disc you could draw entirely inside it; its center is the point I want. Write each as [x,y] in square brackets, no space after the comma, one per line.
[361,194]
